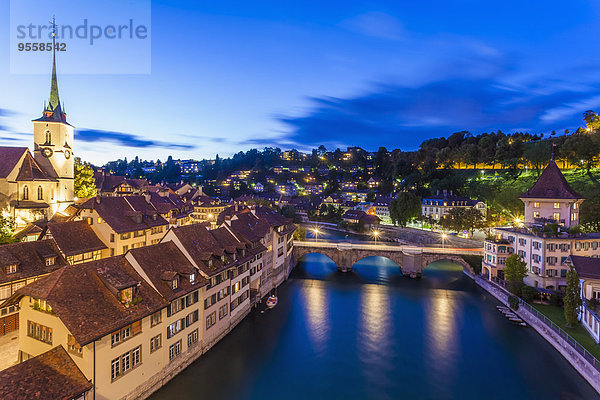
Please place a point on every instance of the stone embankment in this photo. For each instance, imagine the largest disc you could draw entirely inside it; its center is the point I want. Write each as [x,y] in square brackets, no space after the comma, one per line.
[583,362]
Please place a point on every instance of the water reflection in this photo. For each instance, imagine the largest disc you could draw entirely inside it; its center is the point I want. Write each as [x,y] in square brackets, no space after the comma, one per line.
[442,333]
[375,318]
[314,296]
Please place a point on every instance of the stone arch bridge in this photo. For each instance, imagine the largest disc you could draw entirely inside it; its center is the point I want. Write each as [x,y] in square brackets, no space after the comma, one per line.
[411,259]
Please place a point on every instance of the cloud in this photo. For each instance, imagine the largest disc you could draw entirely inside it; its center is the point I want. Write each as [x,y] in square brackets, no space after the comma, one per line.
[376,24]
[126,139]
[397,116]
[5,112]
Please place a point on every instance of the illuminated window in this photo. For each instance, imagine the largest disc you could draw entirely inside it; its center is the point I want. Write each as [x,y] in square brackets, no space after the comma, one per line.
[556,205]
[536,214]
[536,204]
[556,216]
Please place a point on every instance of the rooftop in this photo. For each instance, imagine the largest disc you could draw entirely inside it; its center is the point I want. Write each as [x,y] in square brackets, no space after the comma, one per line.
[51,375]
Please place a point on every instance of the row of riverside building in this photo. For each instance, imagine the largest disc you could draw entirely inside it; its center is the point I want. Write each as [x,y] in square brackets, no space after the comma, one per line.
[549,241]
[121,326]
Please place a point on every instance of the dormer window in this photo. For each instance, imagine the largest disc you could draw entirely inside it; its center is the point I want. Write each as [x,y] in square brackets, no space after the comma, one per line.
[210,263]
[11,269]
[174,283]
[126,295]
[50,261]
[192,277]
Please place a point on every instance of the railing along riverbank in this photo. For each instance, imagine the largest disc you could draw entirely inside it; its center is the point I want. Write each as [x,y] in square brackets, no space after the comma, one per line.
[578,356]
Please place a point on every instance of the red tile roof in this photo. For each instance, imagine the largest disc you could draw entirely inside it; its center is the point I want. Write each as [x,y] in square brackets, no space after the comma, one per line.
[85,297]
[75,237]
[30,258]
[31,171]
[51,375]
[9,157]
[162,262]
[125,214]
[551,185]
[586,267]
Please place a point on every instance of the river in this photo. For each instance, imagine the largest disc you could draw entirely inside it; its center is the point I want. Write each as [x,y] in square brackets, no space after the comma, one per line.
[373,334]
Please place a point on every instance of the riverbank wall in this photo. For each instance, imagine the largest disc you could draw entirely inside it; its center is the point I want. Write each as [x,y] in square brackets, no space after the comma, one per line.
[585,368]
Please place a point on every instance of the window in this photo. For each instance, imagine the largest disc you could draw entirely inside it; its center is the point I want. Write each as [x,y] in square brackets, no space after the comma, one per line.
[175,327]
[536,204]
[156,318]
[556,216]
[125,236]
[191,318]
[48,137]
[176,306]
[192,338]
[125,333]
[112,237]
[39,332]
[115,370]
[155,343]
[192,277]
[174,283]
[25,193]
[556,205]
[50,261]
[191,298]
[125,362]
[11,269]
[174,350]
[223,310]
[574,217]
[536,214]
[125,248]
[211,319]
[100,220]
[40,193]
[73,347]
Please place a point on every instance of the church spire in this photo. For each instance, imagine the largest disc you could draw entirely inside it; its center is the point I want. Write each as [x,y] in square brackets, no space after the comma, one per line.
[54,100]
[53,111]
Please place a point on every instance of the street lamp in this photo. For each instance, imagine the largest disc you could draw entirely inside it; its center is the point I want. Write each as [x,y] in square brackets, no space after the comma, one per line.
[444,237]
[376,235]
[316,231]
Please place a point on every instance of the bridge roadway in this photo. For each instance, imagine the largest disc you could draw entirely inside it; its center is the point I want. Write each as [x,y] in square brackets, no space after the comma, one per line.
[411,259]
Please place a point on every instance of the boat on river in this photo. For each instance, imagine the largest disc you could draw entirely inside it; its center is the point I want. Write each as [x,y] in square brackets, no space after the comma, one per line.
[272,301]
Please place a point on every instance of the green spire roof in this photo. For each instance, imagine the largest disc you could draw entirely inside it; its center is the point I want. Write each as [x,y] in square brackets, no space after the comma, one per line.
[54,101]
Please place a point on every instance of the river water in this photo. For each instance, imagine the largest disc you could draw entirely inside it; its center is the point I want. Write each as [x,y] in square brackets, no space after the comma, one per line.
[373,334]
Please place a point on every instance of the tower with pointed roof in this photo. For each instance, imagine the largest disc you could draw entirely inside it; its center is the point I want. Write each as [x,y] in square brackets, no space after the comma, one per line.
[551,198]
[53,138]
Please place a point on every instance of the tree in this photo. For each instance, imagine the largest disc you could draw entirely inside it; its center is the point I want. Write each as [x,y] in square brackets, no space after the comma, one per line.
[572,300]
[7,228]
[404,208]
[85,184]
[514,273]
[370,196]
[463,219]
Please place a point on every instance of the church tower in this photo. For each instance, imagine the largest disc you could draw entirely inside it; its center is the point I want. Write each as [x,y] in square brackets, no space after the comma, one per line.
[53,139]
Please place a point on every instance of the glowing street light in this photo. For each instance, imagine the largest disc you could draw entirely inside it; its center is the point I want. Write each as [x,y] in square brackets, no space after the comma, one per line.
[444,237]
[376,235]
[316,231]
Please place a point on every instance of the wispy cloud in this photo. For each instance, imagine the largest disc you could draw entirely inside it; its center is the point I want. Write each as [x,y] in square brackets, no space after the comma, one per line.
[127,139]
[376,24]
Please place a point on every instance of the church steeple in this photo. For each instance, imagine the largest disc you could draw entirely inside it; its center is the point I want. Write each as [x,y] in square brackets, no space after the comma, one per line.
[54,99]
[53,111]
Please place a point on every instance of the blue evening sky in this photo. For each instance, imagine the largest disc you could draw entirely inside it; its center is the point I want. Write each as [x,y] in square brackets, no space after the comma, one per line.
[229,76]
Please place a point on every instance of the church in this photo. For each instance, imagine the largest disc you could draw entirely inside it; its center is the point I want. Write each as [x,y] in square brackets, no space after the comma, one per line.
[39,185]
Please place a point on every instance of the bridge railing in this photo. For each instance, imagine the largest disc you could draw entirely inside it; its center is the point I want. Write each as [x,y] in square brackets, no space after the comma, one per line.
[386,247]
